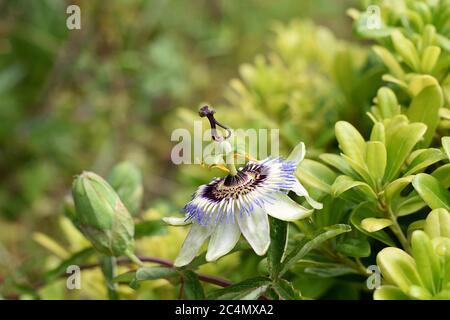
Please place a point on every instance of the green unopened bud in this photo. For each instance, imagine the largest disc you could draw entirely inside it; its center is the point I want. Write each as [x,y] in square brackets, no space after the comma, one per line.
[101,215]
[126,179]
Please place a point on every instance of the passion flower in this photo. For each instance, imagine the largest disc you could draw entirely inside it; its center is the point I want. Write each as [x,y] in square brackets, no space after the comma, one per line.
[238,204]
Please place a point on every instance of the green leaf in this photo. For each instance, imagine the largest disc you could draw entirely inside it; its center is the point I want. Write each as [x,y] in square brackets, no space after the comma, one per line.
[278,243]
[446,145]
[421,159]
[431,191]
[376,159]
[345,183]
[367,210]
[393,189]
[406,49]
[338,162]
[408,205]
[425,108]
[437,224]
[361,170]
[154,273]
[330,272]
[301,250]
[390,61]
[399,205]
[237,290]
[285,290]
[253,294]
[387,103]
[357,247]
[442,174]
[429,58]
[375,224]
[378,133]
[316,175]
[150,228]
[192,288]
[427,261]
[398,267]
[125,277]
[351,142]
[389,293]
[417,83]
[400,145]
[416,225]
[78,258]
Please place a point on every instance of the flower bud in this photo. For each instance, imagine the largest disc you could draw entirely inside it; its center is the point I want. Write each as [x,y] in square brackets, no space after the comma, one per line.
[101,215]
[126,179]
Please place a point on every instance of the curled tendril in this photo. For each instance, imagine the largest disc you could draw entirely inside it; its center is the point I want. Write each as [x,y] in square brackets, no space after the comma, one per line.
[208,112]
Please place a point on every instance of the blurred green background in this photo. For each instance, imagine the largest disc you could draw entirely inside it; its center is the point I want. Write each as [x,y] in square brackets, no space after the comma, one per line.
[114,90]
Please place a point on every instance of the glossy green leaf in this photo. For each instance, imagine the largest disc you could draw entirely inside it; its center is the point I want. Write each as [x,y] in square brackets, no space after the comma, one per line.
[376,159]
[400,145]
[398,267]
[437,224]
[446,145]
[338,162]
[431,191]
[350,141]
[421,159]
[406,49]
[378,133]
[316,175]
[429,58]
[389,293]
[345,183]
[442,174]
[427,261]
[417,83]
[367,210]
[408,205]
[390,61]
[361,170]
[416,225]
[387,103]
[375,224]
[425,108]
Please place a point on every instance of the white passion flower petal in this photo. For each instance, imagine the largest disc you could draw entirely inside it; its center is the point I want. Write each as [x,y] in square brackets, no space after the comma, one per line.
[194,240]
[300,190]
[223,240]
[255,228]
[176,221]
[298,154]
[284,208]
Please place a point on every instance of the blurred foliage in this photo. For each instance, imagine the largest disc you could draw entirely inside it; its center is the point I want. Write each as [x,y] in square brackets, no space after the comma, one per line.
[72,100]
